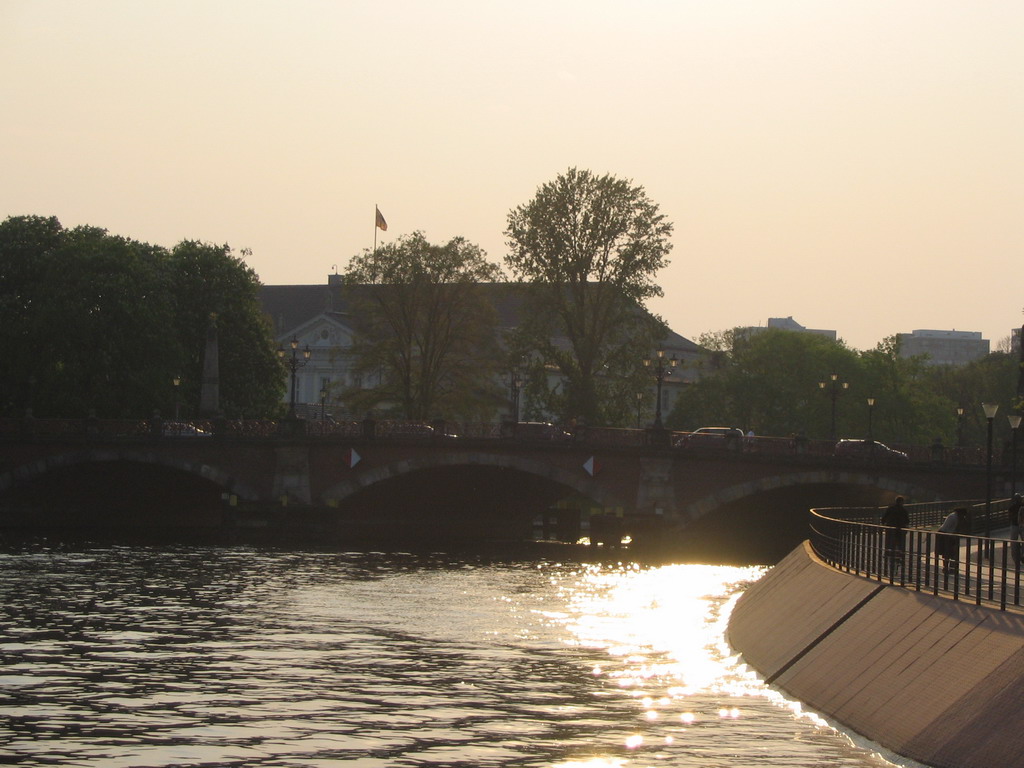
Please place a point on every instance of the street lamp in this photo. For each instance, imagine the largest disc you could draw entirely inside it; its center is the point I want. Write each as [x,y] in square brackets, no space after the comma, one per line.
[990,414]
[515,384]
[293,364]
[1014,419]
[871,433]
[323,404]
[834,389]
[639,402]
[661,372]
[960,427]
[177,396]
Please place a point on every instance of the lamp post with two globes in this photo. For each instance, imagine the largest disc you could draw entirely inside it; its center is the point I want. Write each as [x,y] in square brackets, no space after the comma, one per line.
[833,391]
[293,364]
[662,369]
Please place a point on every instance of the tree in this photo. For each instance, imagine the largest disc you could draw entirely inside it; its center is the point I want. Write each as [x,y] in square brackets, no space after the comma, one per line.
[908,408]
[590,246]
[426,330]
[88,319]
[27,247]
[991,379]
[767,381]
[106,335]
[100,323]
[210,280]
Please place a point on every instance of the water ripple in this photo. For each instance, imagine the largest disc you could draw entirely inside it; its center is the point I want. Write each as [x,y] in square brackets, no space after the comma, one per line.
[126,656]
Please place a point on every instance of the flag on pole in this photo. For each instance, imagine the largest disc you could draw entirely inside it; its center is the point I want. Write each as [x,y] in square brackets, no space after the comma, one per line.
[381,223]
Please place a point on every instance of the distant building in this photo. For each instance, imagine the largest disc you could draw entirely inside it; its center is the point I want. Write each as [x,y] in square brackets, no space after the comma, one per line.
[944,347]
[318,316]
[789,324]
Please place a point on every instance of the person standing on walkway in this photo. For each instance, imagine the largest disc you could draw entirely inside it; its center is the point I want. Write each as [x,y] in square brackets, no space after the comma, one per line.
[895,519]
[947,543]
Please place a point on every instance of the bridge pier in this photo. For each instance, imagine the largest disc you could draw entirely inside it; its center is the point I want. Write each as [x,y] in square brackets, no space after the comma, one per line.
[655,494]
[291,474]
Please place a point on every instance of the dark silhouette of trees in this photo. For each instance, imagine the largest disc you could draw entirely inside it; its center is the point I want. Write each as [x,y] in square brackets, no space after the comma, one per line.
[768,381]
[590,247]
[96,323]
[426,345]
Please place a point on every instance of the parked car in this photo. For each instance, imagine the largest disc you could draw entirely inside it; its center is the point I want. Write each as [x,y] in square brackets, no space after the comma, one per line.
[710,437]
[183,429]
[867,450]
[414,429]
[540,430]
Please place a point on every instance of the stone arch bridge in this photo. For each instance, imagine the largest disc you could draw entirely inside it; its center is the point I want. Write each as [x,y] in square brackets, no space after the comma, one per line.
[417,483]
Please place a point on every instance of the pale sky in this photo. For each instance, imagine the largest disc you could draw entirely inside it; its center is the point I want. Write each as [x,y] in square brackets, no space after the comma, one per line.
[857,164]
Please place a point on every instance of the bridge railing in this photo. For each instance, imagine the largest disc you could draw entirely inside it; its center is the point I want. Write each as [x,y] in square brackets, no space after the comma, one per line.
[982,568]
[769,447]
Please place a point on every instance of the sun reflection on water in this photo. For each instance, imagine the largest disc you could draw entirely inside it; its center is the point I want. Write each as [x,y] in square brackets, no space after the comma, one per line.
[659,623]
[597,762]
[663,630]
[302,659]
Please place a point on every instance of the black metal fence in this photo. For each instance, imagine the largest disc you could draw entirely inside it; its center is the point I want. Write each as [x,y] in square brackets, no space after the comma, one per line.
[982,568]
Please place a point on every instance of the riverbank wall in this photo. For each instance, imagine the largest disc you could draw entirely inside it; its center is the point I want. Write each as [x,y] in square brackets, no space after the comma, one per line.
[934,679]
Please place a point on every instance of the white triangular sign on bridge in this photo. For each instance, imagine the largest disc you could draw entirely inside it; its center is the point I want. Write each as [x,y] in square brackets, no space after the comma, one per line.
[351,457]
[591,466]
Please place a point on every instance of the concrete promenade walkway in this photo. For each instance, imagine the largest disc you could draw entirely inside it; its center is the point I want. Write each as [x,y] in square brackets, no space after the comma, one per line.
[936,679]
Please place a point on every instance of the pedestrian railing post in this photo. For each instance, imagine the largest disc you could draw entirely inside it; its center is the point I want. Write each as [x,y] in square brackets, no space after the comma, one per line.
[919,540]
[990,546]
[979,571]
[879,555]
[1016,581]
[1002,585]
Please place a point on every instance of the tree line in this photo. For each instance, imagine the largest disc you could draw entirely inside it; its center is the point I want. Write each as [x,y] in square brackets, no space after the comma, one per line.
[779,382]
[93,322]
[97,323]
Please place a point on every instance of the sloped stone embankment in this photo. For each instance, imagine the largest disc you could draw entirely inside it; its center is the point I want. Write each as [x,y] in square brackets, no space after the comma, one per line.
[937,680]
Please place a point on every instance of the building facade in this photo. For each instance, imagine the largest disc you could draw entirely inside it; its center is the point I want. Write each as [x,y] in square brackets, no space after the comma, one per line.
[789,324]
[944,347]
[318,317]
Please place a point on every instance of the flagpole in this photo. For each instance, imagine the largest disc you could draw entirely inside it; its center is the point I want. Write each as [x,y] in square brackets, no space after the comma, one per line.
[373,275]
[378,223]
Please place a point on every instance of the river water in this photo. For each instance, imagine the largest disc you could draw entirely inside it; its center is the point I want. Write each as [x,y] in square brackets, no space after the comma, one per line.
[177,656]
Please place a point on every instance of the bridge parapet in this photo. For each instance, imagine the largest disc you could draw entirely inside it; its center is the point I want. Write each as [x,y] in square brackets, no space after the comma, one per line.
[331,466]
[776,448]
[328,463]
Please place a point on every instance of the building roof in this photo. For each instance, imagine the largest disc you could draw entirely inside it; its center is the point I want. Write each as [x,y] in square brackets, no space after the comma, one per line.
[290,306]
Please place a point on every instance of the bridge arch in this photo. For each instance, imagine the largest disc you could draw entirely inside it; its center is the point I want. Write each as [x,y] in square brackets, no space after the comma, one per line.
[707,504]
[587,487]
[36,470]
